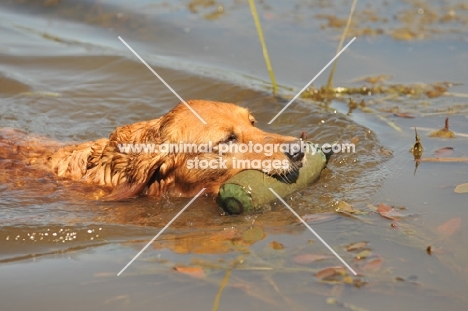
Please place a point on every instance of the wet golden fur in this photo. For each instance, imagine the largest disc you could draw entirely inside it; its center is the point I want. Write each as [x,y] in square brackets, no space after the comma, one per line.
[130,174]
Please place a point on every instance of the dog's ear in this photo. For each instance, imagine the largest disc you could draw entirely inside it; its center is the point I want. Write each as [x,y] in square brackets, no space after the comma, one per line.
[136,175]
[134,171]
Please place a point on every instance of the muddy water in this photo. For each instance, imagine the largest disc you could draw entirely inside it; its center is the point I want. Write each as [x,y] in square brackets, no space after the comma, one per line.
[64,74]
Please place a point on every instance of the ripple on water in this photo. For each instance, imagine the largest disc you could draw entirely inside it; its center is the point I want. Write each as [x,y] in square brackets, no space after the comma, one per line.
[98,93]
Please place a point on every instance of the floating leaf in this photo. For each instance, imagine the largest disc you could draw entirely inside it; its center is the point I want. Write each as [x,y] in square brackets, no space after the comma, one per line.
[195,272]
[330,272]
[276,245]
[404,115]
[356,246]
[449,227]
[461,188]
[374,264]
[388,212]
[363,254]
[253,234]
[443,152]
[308,258]
[383,208]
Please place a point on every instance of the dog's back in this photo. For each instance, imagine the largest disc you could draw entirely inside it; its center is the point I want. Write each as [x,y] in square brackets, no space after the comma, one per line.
[21,146]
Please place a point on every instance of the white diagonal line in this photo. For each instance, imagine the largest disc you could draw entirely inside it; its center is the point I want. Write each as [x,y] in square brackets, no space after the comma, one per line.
[160,232]
[311,81]
[162,80]
[312,230]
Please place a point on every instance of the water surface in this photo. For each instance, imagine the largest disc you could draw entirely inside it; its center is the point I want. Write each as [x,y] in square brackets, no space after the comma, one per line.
[65,75]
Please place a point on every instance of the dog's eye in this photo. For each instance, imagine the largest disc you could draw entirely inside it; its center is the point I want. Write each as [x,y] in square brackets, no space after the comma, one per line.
[229,139]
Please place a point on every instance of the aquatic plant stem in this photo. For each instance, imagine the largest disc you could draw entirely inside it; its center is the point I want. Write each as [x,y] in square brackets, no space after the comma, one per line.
[220,290]
[262,42]
[343,36]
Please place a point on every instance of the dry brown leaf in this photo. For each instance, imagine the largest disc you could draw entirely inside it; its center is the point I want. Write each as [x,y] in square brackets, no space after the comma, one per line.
[329,272]
[308,258]
[383,208]
[388,212]
[195,272]
[443,152]
[356,246]
[449,227]
[404,115]
[374,264]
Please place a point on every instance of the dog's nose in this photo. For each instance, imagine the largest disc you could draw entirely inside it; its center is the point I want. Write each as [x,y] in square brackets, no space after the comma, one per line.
[295,152]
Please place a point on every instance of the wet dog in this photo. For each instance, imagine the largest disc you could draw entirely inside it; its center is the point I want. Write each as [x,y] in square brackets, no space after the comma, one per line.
[132,162]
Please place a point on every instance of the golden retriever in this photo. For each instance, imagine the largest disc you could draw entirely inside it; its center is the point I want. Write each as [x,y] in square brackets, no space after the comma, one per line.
[130,172]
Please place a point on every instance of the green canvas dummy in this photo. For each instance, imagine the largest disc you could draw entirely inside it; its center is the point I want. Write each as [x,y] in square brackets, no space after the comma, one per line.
[249,190]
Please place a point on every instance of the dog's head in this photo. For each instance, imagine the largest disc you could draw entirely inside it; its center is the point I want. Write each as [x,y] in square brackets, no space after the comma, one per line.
[193,155]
